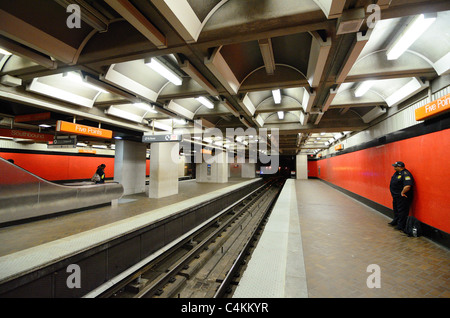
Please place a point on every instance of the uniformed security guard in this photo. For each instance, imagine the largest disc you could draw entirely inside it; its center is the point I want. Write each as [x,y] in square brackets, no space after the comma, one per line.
[402,194]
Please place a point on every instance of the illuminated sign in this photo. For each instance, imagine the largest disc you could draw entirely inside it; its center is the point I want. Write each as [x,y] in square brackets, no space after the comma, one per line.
[436,107]
[64,126]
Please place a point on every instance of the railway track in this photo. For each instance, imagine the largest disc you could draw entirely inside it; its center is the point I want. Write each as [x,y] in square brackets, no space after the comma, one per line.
[210,263]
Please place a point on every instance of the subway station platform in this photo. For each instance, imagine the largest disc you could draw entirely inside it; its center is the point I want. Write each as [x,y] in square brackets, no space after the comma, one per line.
[39,244]
[319,243]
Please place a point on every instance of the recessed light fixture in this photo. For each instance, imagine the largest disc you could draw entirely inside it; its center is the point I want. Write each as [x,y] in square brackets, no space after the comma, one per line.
[164,71]
[280,115]
[206,102]
[276,96]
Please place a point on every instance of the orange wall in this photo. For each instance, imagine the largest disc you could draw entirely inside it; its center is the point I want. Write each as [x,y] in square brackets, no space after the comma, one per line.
[63,167]
[367,173]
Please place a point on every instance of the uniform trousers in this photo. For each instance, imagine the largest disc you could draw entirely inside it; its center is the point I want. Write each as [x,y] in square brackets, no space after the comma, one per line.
[401,211]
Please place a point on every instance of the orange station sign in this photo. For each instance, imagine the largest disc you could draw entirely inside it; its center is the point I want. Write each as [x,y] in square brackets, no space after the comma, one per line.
[436,107]
[64,126]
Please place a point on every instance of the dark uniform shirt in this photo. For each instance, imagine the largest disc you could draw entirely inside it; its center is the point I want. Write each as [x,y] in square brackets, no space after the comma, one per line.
[399,180]
[101,173]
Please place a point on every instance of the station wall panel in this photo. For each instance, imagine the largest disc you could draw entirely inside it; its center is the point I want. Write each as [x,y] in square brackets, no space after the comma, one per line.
[367,173]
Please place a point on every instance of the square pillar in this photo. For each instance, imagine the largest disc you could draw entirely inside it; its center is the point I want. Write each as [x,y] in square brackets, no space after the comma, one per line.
[130,166]
[164,164]
[248,170]
[301,166]
[215,170]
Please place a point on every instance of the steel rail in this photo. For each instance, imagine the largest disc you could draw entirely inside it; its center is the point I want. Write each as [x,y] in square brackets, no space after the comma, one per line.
[162,279]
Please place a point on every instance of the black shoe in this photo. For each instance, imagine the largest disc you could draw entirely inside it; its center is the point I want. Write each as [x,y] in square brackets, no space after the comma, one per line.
[392,223]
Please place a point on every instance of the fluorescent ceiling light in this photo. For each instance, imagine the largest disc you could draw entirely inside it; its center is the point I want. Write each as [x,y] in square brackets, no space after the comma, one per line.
[4,52]
[412,32]
[42,88]
[99,146]
[77,78]
[363,88]
[162,70]
[44,126]
[206,102]
[280,115]
[407,90]
[145,107]
[123,114]
[180,121]
[276,96]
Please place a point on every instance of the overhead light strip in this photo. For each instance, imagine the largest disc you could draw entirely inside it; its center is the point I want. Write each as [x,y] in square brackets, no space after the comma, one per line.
[412,32]
[363,88]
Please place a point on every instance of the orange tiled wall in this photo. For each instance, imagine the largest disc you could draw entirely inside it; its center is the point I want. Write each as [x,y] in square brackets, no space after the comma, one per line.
[367,173]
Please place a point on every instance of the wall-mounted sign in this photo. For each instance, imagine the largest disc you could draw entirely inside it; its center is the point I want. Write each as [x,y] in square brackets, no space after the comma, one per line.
[434,108]
[339,147]
[14,133]
[64,126]
[89,151]
[161,138]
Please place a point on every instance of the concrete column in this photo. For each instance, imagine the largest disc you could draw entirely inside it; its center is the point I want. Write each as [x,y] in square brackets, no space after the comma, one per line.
[248,170]
[130,165]
[164,163]
[214,171]
[301,166]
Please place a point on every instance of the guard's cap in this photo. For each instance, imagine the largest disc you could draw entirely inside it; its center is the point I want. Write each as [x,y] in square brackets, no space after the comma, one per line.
[398,164]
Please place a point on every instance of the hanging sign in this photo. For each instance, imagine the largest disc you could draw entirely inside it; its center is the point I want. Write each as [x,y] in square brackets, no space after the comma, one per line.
[32,117]
[64,126]
[14,133]
[161,138]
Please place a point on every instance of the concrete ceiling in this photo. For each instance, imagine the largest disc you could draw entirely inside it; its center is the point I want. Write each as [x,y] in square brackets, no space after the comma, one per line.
[234,53]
